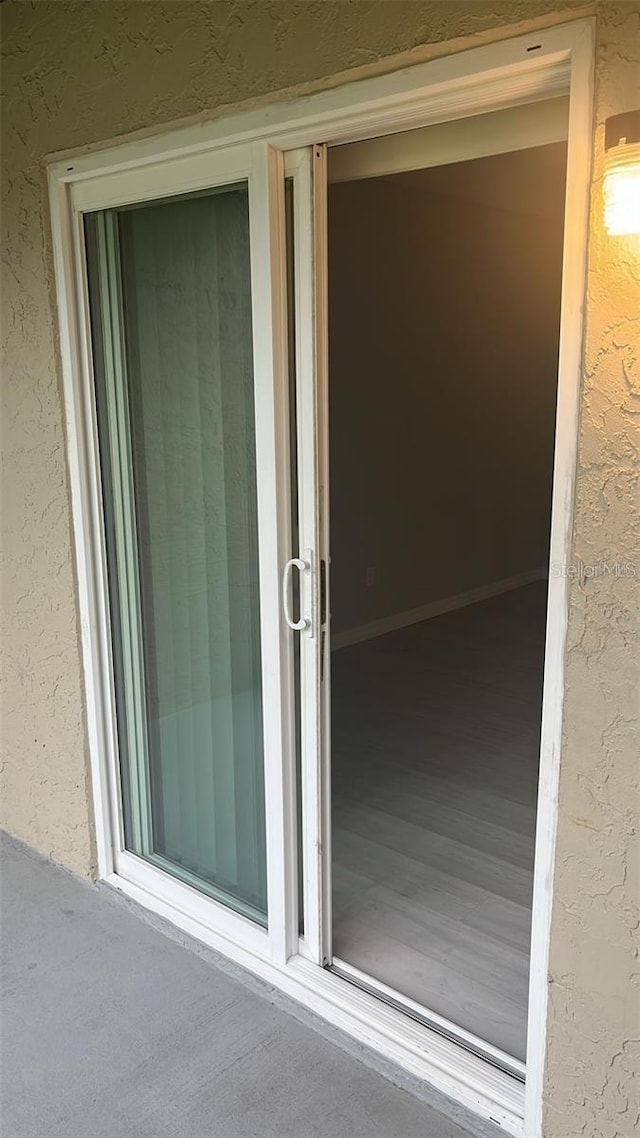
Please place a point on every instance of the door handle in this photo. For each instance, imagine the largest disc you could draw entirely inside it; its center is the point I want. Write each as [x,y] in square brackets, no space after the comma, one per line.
[303,567]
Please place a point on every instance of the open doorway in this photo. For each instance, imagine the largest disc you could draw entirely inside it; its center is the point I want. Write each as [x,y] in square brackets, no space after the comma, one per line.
[444,317]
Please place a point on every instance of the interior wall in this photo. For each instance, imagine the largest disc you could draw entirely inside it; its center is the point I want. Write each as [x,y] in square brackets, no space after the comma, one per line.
[77,73]
[443,357]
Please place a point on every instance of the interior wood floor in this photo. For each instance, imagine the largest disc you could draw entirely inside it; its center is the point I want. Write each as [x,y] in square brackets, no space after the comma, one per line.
[435,738]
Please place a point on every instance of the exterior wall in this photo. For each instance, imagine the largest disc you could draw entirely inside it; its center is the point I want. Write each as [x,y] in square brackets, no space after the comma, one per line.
[79,73]
[594,1015]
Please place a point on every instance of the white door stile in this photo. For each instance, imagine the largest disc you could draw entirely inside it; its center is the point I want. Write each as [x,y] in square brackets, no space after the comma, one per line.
[101,705]
[271,385]
[68,254]
[321,347]
[311,391]
[299,167]
[257,145]
[116,386]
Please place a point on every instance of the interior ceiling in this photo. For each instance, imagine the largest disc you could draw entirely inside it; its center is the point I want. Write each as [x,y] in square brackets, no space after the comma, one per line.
[529,181]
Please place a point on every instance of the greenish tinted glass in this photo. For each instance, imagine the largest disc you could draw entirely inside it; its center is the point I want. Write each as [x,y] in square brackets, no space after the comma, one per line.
[170,300]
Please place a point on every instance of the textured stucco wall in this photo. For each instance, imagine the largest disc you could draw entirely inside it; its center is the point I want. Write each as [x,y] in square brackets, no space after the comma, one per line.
[79,73]
[594,1041]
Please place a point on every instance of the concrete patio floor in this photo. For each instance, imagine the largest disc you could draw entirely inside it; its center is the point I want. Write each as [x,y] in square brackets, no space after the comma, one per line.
[116,1026]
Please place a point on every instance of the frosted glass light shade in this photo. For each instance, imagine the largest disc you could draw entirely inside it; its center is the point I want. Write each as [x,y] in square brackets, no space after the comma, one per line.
[622,191]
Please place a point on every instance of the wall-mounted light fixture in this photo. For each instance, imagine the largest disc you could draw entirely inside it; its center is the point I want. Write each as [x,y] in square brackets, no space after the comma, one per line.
[622,173]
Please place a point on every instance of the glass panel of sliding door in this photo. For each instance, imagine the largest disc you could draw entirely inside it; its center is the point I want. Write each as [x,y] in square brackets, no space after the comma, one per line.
[170,298]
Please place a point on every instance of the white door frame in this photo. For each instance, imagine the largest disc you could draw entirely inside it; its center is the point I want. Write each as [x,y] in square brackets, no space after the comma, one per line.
[510,72]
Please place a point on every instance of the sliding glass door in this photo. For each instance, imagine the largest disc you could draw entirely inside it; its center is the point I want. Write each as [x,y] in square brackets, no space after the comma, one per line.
[170,291]
[188,382]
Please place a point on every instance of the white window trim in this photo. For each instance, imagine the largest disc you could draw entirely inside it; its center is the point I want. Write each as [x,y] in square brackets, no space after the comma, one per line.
[506,73]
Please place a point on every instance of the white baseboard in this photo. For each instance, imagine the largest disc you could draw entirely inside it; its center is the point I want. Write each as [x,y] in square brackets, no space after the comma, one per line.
[434,608]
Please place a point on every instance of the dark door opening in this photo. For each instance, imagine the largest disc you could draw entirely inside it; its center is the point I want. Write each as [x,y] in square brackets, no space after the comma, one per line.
[444,315]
